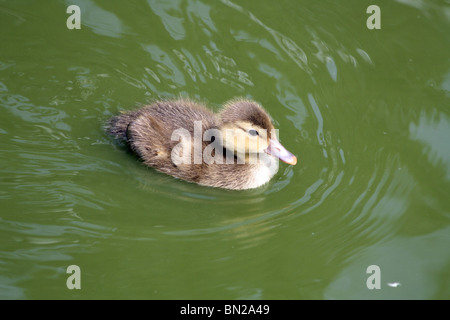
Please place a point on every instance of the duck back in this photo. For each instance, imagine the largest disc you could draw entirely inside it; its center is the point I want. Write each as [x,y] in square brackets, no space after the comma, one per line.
[149,133]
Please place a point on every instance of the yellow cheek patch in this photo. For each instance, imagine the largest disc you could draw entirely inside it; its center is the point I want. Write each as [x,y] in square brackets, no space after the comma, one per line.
[237,138]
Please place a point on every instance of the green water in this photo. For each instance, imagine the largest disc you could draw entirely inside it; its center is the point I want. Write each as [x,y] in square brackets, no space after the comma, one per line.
[367,112]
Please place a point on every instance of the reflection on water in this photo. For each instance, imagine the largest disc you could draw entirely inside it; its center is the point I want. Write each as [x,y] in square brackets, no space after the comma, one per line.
[433,133]
[404,272]
[365,112]
[99,20]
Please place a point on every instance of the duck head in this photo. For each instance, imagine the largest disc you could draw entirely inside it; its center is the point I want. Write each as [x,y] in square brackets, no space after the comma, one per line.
[247,129]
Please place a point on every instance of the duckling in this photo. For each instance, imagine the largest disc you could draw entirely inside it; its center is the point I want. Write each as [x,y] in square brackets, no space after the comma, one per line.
[236,148]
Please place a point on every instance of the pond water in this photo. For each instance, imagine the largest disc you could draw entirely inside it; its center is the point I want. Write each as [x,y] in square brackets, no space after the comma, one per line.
[366,112]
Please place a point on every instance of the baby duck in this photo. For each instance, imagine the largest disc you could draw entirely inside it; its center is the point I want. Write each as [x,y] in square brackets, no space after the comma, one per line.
[234,149]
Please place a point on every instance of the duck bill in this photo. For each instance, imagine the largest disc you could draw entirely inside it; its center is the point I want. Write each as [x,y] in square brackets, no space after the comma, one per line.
[277,150]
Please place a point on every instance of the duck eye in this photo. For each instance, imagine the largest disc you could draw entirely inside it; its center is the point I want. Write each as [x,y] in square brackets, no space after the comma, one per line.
[253,132]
